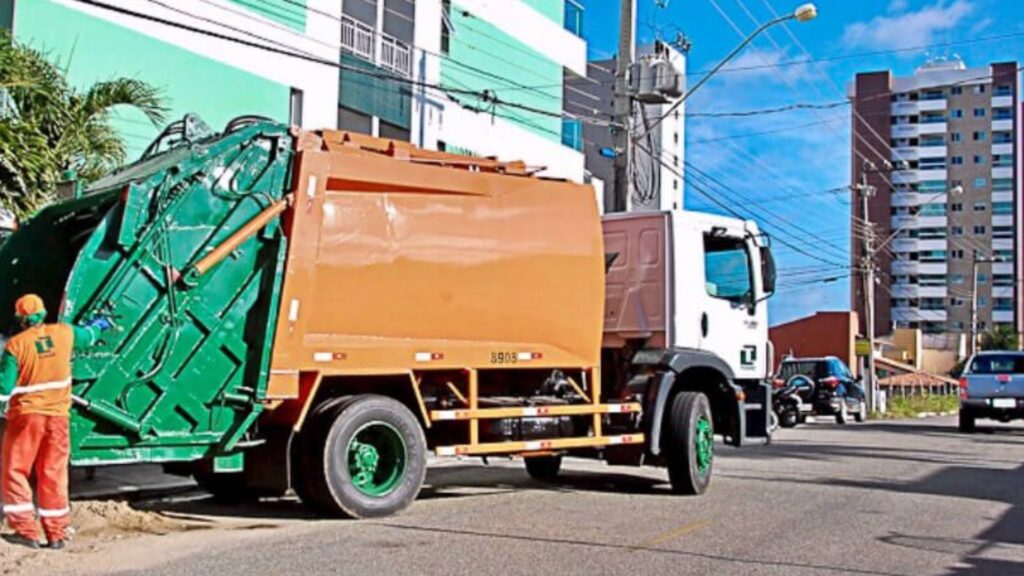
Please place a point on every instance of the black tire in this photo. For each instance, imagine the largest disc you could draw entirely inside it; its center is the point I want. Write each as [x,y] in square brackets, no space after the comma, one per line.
[679,443]
[789,418]
[966,424]
[843,415]
[308,450]
[861,415]
[543,468]
[327,481]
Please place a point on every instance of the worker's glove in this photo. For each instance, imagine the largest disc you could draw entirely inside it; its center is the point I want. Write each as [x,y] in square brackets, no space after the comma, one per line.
[100,322]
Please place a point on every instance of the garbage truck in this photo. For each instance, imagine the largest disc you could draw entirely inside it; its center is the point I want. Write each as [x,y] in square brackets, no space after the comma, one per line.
[317,310]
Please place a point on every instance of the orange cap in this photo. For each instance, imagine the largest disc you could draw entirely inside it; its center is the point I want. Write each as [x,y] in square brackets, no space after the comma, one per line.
[29,305]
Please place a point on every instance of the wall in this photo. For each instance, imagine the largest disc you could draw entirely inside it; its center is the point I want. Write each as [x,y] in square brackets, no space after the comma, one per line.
[216,78]
[824,334]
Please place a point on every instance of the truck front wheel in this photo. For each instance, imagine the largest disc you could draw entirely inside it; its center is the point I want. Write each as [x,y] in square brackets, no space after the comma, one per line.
[543,468]
[689,443]
[367,459]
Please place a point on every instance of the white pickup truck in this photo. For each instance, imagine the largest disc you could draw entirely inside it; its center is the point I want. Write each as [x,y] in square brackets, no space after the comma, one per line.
[992,386]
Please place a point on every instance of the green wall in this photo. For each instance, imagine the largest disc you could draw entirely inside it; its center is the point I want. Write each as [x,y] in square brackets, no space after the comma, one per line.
[291,13]
[93,49]
[553,9]
[479,45]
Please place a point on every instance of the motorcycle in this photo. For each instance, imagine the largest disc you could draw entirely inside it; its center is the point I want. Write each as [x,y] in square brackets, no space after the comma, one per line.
[788,406]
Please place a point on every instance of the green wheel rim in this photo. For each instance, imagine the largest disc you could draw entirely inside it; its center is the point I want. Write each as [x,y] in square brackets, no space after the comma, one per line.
[704,443]
[376,459]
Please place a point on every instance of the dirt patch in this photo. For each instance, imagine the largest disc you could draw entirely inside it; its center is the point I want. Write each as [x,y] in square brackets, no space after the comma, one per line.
[106,518]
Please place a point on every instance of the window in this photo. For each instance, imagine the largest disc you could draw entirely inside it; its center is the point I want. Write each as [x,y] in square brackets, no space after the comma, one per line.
[956,136]
[1003,90]
[1002,280]
[932,95]
[1002,232]
[956,302]
[982,302]
[932,210]
[1002,161]
[727,268]
[1002,304]
[956,278]
[931,233]
[295,107]
[1002,184]
[957,254]
[932,280]
[979,230]
[956,207]
[932,186]
[932,164]
[979,89]
[956,231]
[979,136]
[979,112]
[980,183]
[956,325]
[956,113]
[1002,208]
[932,141]
[956,160]
[956,90]
[933,303]
[980,207]
[1002,113]
[933,256]
[979,159]
[1002,138]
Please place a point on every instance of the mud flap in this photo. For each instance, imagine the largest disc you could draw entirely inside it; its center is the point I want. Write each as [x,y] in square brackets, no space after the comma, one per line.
[756,410]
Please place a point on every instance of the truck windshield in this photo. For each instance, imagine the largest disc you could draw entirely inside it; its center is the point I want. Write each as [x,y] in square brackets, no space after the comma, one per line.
[998,364]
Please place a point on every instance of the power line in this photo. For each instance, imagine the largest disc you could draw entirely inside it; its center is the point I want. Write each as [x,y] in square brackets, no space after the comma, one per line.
[765,111]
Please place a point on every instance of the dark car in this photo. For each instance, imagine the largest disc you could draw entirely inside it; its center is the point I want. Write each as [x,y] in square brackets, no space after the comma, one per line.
[836,391]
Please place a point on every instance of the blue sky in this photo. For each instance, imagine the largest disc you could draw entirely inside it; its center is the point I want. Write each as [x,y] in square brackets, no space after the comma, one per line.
[784,175]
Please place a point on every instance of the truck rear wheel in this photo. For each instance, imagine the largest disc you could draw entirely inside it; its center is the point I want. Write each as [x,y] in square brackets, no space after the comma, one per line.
[365,458]
[543,468]
[689,443]
[966,422]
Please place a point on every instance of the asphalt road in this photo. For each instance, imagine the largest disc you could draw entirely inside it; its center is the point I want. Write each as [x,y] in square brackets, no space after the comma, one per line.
[875,499]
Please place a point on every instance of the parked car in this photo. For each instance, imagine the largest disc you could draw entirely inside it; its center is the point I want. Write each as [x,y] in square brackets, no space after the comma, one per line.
[992,386]
[836,392]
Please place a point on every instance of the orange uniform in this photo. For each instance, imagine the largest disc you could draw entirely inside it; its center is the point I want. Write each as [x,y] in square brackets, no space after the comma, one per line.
[37,439]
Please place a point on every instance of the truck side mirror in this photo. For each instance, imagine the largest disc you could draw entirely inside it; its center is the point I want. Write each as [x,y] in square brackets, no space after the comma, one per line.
[768,271]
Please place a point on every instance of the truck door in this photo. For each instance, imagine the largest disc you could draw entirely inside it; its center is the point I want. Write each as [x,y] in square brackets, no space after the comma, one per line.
[731,325]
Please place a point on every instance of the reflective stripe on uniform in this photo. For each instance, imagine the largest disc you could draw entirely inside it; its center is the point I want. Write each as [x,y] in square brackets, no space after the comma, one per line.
[19,508]
[33,388]
[44,513]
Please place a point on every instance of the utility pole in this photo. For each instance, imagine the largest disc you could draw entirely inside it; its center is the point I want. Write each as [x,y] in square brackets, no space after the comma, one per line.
[624,107]
[867,264]
[974,308]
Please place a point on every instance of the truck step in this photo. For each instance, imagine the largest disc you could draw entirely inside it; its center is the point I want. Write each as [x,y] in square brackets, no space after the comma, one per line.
[534,411]
[537,445]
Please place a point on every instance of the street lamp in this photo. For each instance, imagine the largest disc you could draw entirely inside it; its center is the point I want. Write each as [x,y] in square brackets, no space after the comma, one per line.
[804,13]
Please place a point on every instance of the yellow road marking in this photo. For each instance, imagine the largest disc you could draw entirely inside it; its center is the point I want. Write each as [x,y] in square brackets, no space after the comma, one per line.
[677,533]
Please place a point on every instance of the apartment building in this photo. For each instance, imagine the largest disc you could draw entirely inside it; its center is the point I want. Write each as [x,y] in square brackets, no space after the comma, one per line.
[433,72]
[947,216]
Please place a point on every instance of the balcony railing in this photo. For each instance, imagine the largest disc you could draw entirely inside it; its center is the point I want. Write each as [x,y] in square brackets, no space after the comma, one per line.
[381,49]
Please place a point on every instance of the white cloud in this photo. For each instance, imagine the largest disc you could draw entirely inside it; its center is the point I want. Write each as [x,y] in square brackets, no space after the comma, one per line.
[759,65]
[908,29]
[896,6]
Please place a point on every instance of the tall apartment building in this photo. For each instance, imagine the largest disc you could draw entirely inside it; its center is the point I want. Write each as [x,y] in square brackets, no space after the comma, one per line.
[405,69]
[954,196]
[656,185]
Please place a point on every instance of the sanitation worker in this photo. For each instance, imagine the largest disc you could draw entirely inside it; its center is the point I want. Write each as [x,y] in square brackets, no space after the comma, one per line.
[35,378]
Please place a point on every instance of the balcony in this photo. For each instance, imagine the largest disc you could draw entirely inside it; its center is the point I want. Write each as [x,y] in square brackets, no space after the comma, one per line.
[906,245]
[1002,101]
[1002,219]
[932,221]
[905,131]
[1002,125]
[935,105]
[937,151]
[933,127]
[1002,149]
[1002,268]
[907,314]
[903,221]
[931,291]
[908,108]
[900,267]
[933,244]
[933,268]
[381,49]
[1003,316]
[1002,173]
[908,153]
[906,177]
[905,199]
[904,290]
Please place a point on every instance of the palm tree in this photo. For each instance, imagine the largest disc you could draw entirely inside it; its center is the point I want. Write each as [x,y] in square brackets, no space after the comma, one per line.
[48,127]
[1001,337]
